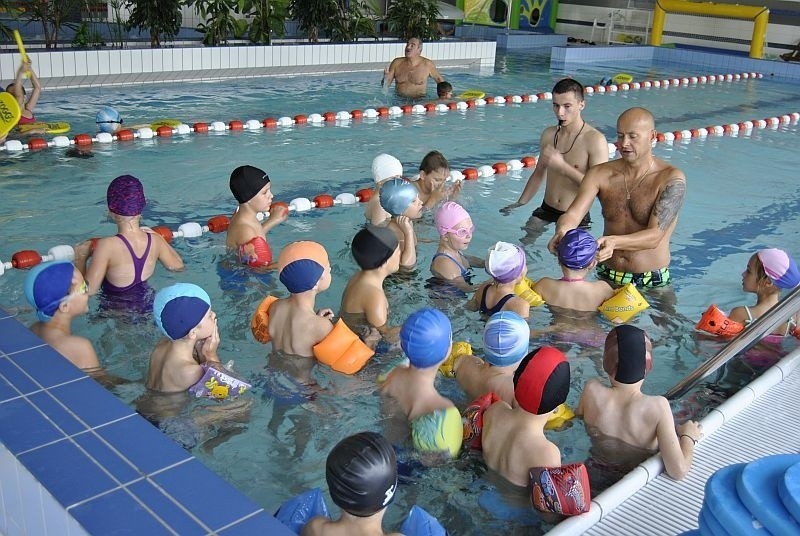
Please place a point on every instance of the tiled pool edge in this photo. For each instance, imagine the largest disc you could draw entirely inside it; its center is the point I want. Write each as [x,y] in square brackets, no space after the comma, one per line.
[91,68]
[75,460]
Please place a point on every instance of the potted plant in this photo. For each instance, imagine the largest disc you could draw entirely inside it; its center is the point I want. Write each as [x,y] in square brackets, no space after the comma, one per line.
[220,22]
[159,17]
[413,18]
[266,17]
[354,19]
[53,15]
[313,15]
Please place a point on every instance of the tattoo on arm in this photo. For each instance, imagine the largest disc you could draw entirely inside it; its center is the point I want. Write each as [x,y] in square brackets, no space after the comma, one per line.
[669,203]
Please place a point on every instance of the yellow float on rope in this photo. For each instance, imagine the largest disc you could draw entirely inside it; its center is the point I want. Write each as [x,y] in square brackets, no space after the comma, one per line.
[622,78]
[471,94]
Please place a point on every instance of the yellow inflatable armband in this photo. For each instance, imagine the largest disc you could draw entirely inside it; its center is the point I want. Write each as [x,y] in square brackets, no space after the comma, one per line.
[524,289]
[342,350]
[459,348]
[259,324]
[563,414]
[624,304]
[438,431]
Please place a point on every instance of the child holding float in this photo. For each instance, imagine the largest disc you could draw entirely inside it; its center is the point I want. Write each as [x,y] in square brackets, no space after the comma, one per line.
[246,235]
[401,200]
[506,264]
[768,272]
[455,229]
[17,89]
[292,324]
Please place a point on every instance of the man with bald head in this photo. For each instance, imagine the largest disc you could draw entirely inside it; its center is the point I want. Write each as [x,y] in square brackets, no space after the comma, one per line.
[410,73]
[640,196]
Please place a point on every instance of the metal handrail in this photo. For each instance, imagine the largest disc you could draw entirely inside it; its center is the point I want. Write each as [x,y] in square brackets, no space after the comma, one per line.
[754,332]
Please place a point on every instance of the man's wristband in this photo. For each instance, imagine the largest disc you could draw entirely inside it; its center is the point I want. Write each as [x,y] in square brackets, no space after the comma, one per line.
[694,441]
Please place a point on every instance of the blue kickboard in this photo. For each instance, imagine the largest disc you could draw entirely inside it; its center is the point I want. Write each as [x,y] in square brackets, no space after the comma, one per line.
[709,525]
[723,501]
[758,489]
[789,490]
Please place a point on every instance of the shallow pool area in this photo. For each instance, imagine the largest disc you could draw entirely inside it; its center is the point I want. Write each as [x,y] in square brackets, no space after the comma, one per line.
[740,198]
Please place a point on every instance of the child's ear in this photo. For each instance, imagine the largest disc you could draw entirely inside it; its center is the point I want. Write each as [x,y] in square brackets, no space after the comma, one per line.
[64,306]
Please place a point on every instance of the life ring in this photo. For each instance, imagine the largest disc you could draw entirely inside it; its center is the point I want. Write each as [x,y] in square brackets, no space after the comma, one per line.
[471,94]
[624,304]
[622,78]
[524,289]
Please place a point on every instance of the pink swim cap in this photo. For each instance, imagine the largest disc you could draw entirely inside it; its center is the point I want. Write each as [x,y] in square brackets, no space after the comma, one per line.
[448,216]
[780,267]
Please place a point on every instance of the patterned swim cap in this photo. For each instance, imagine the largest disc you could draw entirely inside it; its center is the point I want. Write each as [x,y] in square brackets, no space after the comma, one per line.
[577,249]
[125,196]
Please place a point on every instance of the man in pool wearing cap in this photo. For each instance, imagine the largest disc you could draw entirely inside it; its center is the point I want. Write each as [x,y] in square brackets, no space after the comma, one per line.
[361,472]
[252,189]
[566,152]
[641,196]
[623,412]
[400,199]
[410,73]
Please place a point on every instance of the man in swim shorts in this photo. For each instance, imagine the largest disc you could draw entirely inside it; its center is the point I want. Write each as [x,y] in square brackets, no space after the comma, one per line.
[567,151]
[623,412]
[410,73]
[641,196]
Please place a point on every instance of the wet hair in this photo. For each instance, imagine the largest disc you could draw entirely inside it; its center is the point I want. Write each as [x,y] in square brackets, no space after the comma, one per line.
[569,85]
[433,160]
[443,88]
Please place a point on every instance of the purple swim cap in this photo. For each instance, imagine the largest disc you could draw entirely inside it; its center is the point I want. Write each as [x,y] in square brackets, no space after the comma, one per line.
[577,249]
[125,196]
[505,262]
[448,216]
[780,267]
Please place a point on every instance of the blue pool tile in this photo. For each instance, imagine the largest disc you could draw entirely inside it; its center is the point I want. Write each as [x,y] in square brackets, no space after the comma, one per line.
[117,513]
[166,509]
[60,416]
[15,337]
[67,473]
[4,313]
[262,523]
[46,366]
[142,444]
[91,402]
[13,381]
[22,427]
[105,455]
[191,484]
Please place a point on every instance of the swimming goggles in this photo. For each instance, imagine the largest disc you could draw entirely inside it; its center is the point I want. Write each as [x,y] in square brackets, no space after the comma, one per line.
[463,232]
[82,289]
[106,122]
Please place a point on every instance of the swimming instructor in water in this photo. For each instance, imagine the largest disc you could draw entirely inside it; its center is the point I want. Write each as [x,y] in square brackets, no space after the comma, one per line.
[410,72]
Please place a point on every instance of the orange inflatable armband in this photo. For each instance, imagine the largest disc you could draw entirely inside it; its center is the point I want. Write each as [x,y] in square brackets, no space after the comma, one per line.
[342,350]
[259,324]
[716,322]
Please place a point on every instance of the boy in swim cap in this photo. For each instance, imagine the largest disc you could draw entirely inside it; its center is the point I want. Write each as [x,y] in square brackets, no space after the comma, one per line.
[108,120]
[361,472]
[123,263]
[294,326]
[401,200]
[576,255]
[384,167]
[623,412]
[506,264]
[364,303]
[426,338]
[768,272]
[505,342]
[513,438]
[455,233]
[59,293]
[246,235]
[433,173]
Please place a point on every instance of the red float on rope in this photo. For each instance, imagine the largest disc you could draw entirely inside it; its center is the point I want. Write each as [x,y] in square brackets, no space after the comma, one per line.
[527,98]
[83,139]
[356,114]
[165,232]
[329,117]
[364,194]
[323,201]
[678,135]
[383,111]
[35,144]
[660,137]
[430,107]
[489,99]
[125,135]
[283,204]
[726,128]
[500,168]
[528,161]
[218,224]
[406,108]
[164,131]
[235,124]
[300,119]
[25,259]
[470,103]
[200,128]
[470,174]
[452,106]
[509,98]
[270,122]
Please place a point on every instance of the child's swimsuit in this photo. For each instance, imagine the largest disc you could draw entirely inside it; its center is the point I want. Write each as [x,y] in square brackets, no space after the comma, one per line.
[466,273]
[138,267]
[497,307]
[790,326]
[26,120]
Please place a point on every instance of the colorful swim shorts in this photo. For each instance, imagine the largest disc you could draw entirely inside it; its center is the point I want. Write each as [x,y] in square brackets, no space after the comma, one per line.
[656,278]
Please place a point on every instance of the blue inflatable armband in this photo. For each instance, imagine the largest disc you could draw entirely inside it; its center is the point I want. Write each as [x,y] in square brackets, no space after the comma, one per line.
[299,510]
[421,523]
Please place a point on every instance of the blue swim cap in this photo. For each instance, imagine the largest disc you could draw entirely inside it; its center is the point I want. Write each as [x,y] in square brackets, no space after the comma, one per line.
[577,249]
[397,195]
[179,308]
[301,265]
[425,337]
[106,118]
[505,338]
[46,285]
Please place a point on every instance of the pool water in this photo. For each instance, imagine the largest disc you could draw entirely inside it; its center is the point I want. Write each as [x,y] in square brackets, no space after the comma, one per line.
[740,198]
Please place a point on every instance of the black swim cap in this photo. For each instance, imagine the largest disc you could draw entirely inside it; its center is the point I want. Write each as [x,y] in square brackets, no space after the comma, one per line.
[246,182]
[372,246]
[362,474]
[627,355]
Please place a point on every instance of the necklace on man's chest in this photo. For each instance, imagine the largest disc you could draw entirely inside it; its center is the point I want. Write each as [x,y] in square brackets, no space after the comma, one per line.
[639,182]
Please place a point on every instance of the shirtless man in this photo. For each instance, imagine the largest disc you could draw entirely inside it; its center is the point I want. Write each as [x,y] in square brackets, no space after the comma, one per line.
[411,72]
[567,151]
[640,196]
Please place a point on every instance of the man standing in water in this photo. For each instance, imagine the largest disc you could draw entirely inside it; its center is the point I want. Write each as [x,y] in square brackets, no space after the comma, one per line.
[410,73]
[567,151]
[640,196]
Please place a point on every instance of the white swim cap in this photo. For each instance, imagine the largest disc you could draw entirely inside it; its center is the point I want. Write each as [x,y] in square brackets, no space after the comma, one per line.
[385,166]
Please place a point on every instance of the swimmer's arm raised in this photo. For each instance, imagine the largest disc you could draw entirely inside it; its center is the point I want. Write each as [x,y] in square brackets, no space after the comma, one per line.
[30,104]
[388,73]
